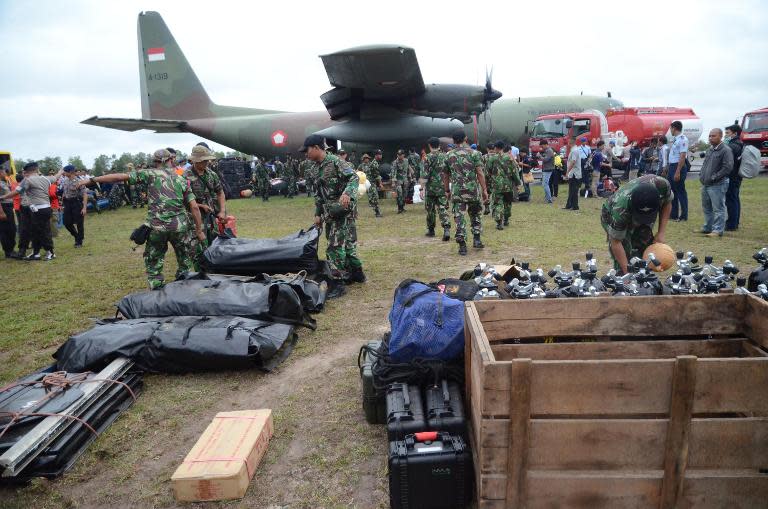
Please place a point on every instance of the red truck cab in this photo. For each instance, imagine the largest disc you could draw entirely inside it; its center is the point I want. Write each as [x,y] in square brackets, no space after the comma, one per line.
[754,131]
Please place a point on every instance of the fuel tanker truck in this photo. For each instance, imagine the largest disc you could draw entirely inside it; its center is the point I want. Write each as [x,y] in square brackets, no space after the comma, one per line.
[621,125]
[754,131]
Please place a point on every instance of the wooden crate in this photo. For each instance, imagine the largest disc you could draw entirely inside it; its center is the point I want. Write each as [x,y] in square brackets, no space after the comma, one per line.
[654,402]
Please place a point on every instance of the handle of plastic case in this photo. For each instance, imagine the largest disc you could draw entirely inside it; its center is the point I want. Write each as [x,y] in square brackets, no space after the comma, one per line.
[425,436]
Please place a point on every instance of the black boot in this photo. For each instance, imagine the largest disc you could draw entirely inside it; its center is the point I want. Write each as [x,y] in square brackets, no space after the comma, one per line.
[477,242]
[498,226]
[463,248]
[378,212]
[357,275]
[506,222]
[446,234]
[430,232]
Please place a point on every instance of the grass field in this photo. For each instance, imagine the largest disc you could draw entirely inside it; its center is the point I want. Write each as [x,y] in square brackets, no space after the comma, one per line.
[323,453]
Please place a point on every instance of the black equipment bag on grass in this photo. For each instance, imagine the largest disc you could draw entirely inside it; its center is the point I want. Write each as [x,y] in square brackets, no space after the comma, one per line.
[179,344]
[429,471]
[253,257]
[405,412]
[274,302]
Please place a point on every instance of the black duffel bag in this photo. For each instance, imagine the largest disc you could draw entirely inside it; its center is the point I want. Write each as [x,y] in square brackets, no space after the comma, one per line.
[274,302]
[253,257]
[179,344]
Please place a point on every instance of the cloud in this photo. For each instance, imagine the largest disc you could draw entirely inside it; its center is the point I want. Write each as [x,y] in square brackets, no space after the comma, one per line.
[67,62]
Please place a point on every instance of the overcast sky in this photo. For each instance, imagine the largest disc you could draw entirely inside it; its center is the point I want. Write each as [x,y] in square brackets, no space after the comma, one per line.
[66,61]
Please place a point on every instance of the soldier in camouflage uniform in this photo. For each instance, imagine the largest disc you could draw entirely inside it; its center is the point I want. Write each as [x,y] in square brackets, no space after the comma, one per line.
[306,171]
[464,183]
[280,171]
[371,170]
[402,173]
[291,171]
[433,192]
[417,166]
[629,214]
[260,180]
[169,198]
[209,195]
[501,171]
[336,191]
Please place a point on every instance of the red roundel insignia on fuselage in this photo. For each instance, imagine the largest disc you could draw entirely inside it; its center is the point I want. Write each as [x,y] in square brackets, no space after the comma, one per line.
[279,138]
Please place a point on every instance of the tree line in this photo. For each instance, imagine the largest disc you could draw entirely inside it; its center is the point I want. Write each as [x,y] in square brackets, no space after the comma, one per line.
[104,164]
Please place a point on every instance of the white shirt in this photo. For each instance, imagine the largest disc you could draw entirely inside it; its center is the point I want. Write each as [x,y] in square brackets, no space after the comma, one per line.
[574,163]
[664,156]
[679,145]
[516,153]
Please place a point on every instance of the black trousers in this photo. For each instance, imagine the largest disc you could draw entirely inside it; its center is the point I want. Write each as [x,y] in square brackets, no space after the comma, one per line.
[573,194]
[73,218]
[554,182]
[25,228]
[8,229]
[40,230]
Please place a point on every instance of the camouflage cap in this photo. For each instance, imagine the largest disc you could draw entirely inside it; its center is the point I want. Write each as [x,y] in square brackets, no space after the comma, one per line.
[200,154]
[366,156]
[161,155]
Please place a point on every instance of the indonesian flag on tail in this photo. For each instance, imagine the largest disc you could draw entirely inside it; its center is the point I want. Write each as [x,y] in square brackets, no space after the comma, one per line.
[155,54]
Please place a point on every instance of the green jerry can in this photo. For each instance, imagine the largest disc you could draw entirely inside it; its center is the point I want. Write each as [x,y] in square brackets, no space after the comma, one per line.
[374,400]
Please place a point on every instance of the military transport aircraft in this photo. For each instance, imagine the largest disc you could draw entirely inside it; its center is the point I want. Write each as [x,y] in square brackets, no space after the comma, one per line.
[378,99]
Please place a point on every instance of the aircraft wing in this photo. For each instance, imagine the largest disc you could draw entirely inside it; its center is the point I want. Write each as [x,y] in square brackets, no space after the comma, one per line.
[370,73]
[137,124]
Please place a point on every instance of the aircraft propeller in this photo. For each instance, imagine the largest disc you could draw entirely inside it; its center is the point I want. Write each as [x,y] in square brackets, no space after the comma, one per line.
[489,95]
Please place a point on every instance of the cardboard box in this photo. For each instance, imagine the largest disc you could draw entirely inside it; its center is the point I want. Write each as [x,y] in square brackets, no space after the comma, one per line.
[222,463]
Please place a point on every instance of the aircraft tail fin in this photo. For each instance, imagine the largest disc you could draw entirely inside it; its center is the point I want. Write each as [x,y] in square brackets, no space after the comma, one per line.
[169,87]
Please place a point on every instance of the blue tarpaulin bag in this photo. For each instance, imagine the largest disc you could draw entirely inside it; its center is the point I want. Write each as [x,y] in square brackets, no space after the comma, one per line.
[425,324]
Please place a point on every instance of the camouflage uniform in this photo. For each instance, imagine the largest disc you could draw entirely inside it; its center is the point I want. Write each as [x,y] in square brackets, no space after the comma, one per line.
[466,194]
[371,170]
[616,217]
[205,187]
[168,195]
[434,192]
[260,179]
[417,165]
[291,170]
[502,174]
[401,174]
[306,170]
[138,194]
[334,178]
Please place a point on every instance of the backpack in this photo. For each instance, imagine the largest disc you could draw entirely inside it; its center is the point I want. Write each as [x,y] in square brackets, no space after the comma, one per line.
[426,324]
[750,162]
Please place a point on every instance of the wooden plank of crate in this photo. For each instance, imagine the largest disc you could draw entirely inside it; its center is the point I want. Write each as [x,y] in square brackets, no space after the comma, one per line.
[627,444]
[757,319]
[589,489]
[614,324]
[678,430]
[476,330]
[493,486]
[737,443]
[662,308]
[640,489]
[517,457]
[588,387]
[752,350]
[467,353]
[655,349]
[733,489]
[732,385]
